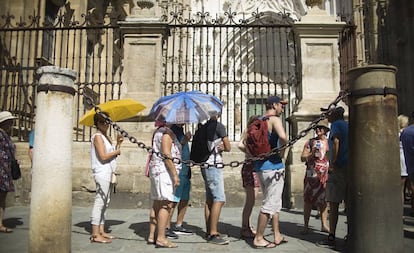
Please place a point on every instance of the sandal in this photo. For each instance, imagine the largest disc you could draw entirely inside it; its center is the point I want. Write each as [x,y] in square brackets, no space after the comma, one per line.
[93,239]
[4,229]
[167,244]
[281,241]
[268,245]
[108,236]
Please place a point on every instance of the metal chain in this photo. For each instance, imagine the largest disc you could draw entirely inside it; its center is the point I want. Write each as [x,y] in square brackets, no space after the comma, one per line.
[276,151]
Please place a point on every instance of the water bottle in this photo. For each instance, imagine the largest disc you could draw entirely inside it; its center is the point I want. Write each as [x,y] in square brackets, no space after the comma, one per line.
[318,147]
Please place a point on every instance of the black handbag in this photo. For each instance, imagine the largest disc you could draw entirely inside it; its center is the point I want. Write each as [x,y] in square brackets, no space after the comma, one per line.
[15,170]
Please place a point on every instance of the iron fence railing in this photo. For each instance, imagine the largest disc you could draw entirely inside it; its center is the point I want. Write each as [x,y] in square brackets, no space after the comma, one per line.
[240,59]
[92,48]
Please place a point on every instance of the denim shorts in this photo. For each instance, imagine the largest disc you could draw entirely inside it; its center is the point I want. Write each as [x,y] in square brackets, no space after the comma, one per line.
[214,184]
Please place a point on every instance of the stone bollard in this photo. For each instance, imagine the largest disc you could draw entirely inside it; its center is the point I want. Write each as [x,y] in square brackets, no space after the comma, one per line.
[51,196]
[374,205]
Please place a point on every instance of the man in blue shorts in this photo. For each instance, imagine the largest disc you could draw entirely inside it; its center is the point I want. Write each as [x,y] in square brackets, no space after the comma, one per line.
[213,179]
[182,192]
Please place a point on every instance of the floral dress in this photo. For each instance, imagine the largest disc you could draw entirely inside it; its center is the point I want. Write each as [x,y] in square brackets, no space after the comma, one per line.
[7,149]
[316,174]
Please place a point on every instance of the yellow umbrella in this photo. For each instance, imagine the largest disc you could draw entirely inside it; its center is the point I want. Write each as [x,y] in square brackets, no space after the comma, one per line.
[116,109]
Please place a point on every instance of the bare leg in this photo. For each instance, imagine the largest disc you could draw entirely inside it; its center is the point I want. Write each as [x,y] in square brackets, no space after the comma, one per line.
[307,208]
[324,218]
[214,216]
[96,235]
[182,209]
[3,196]
[152,225]
[246,229]
[162,211]
[207,211]
[171,213]
[278,238]
[333,217]
[102,232]
[259,239]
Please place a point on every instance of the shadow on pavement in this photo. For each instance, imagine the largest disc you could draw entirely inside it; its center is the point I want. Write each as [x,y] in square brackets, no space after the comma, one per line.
[108,223]
[12,222]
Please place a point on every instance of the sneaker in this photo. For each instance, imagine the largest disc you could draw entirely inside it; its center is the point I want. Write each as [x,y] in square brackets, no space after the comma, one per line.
[180,230]
[217,239]
[327,243]
[170,234]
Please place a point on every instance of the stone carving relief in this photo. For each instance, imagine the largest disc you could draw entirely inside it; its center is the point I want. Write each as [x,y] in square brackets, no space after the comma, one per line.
[296,8]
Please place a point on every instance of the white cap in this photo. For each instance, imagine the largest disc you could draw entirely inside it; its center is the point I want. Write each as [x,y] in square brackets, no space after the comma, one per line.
[5,115]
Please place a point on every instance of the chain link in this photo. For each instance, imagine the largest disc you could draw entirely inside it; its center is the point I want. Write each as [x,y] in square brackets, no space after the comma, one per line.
[233,164]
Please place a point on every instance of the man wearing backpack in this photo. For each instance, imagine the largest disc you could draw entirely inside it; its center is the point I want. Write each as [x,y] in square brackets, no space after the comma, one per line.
[218,142]
[271,173]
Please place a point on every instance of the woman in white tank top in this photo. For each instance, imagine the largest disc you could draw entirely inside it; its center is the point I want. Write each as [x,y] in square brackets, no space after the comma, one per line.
[103,161]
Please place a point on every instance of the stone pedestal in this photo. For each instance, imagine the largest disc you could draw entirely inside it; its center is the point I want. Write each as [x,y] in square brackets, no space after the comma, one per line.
[51,201]
[317,35]
[143,35]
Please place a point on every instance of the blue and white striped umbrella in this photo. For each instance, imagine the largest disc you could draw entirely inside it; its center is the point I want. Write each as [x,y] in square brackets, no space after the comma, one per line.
[186,107]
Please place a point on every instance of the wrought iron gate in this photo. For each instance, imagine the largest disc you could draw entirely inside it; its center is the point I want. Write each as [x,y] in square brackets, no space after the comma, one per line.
[242,60]
[90,47]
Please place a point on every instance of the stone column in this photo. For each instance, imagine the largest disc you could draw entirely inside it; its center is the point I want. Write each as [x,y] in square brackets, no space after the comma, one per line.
[374,207]
[51,199]
[317,35]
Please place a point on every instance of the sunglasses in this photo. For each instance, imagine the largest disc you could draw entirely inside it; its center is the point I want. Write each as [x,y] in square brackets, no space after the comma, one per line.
[103,122]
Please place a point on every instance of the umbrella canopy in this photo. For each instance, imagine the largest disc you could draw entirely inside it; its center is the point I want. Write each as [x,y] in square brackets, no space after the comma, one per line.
[186,107]
[116,109]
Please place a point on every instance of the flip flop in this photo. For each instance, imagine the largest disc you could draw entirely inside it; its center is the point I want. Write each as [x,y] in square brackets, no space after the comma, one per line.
[168,244]
[5,230]
[269,245]
[281,241]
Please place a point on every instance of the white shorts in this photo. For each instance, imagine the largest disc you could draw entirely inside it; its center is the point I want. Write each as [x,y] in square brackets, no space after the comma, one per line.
[272,182]
[162,187]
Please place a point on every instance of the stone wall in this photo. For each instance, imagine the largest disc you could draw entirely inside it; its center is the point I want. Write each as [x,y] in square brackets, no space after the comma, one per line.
[133,187]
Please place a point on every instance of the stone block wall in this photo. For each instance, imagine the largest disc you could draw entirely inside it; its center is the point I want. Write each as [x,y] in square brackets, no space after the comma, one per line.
[133,187]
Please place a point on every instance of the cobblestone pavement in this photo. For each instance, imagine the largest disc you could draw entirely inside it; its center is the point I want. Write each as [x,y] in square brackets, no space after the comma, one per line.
[131,228]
